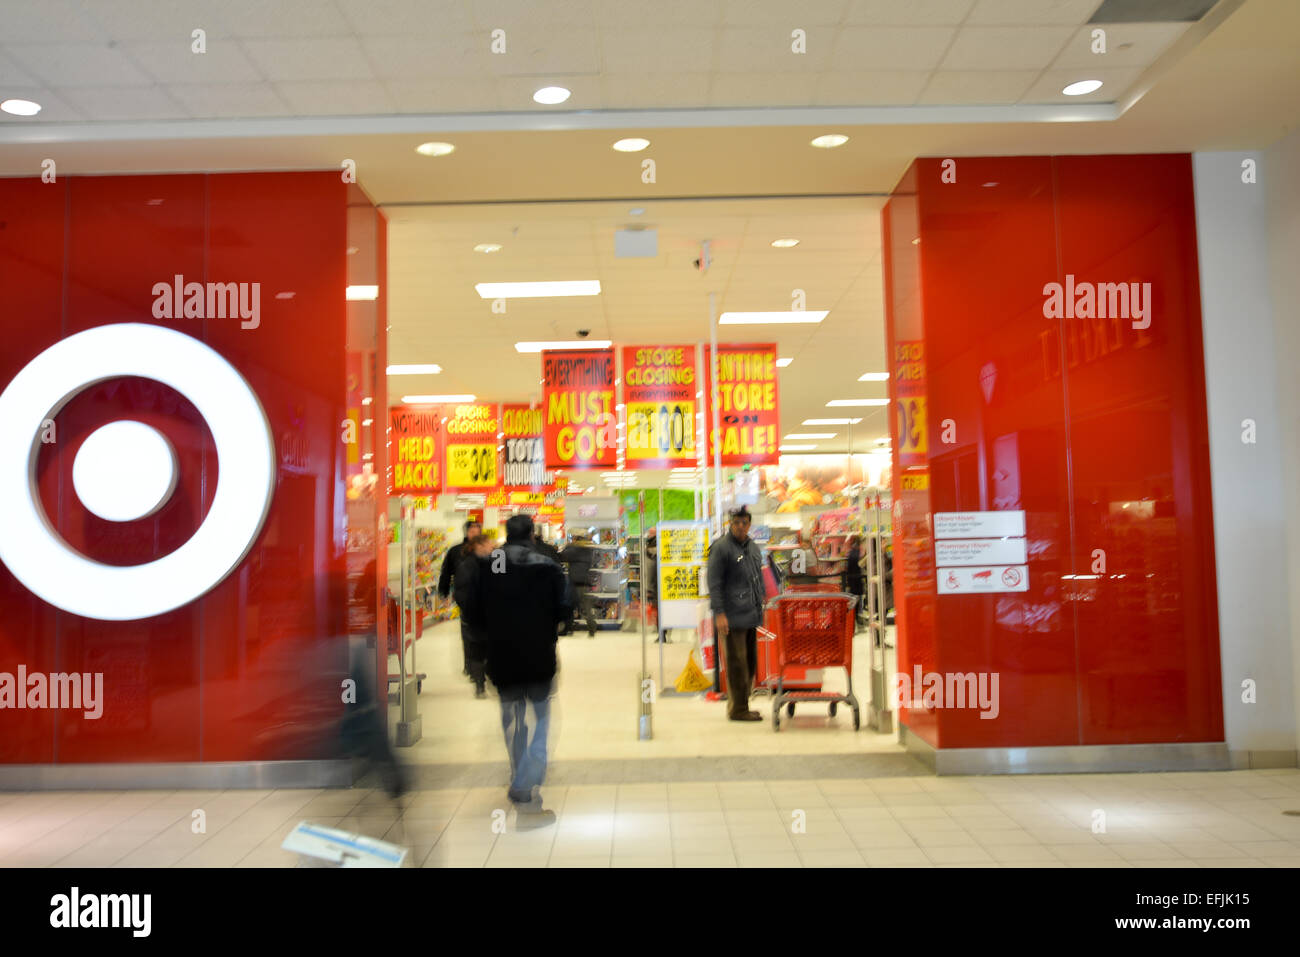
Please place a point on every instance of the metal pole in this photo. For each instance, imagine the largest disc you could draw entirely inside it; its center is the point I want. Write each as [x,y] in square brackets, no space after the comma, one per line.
[717,415]
[659,625]
[645,726]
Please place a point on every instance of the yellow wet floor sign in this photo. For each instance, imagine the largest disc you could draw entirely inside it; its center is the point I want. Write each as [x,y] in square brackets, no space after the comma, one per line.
[692,678]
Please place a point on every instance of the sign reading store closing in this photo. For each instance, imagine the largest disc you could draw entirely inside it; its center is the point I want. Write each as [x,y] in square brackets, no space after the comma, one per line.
[471,439]
[525,454]
[659,386]
[748,408]
[581,428]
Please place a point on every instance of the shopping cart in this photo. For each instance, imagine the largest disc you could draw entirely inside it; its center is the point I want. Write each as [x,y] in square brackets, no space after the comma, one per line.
[414,628]
[813,630]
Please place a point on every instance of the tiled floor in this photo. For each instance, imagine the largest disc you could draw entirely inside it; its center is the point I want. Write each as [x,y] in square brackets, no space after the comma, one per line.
[1232,818]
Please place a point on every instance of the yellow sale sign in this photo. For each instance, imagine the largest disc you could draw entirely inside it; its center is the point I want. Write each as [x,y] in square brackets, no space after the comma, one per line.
[472,466]
[679,582]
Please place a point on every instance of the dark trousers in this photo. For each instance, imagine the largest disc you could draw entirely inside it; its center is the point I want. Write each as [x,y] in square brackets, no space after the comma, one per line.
[475,656]
[742,665]
[583,607]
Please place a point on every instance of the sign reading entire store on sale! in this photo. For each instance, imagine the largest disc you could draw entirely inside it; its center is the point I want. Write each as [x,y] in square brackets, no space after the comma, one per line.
[416,439]
[659,386]
[471,438]
[581,429]
[525,453]
[748,408]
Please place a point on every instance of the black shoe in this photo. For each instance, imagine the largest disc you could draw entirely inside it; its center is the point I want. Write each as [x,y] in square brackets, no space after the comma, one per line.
[480,692]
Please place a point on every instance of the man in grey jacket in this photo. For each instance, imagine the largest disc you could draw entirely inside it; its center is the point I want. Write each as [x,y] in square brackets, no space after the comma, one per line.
[737,597]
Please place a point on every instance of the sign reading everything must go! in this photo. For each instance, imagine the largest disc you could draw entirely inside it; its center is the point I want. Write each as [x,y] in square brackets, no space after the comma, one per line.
[581,428]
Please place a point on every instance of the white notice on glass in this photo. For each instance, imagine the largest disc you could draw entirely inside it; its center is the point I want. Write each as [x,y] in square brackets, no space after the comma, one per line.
[979,551]
[976,580]
[979,524]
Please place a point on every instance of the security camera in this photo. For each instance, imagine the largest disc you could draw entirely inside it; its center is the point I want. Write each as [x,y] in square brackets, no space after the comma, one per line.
[584,333]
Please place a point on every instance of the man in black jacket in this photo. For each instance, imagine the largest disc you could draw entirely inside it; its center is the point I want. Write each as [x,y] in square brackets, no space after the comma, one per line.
[514,598]
[450,565]
[580,556]
[736,596]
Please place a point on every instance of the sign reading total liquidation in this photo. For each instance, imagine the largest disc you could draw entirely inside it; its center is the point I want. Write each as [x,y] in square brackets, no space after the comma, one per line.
[748,407]
[659,386]
[578,395]
[415,437]
[471,438]
[525,459]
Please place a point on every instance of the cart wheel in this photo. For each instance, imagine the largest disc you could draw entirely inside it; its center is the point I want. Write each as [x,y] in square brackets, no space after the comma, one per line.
[789,709]
[419,687]
[776,718]
[856,719]
[834,704]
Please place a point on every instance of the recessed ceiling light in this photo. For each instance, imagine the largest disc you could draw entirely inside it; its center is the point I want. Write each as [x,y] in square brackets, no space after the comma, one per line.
[785,243]
[795,448]
[577,344]
[784,361]
[990,184]
[633,144]
[434,149]
[916,241]
[835,403]
[829,141]
[416,369]
[284,295]
[537,290]
[1082,87]
[770,318]
[831,421]
[550,95]
[20,107]
[798,436]
[874,377]
[488,248]
[362,293]
[436,399]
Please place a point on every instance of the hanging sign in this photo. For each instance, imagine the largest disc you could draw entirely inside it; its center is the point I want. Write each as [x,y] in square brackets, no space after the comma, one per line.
[659,386]
[683,554]
[416,443]
[471,438]
[748,407]
[581,430]
[525,452]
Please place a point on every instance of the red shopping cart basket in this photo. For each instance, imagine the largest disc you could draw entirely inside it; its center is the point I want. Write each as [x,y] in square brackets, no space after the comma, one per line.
[813,631]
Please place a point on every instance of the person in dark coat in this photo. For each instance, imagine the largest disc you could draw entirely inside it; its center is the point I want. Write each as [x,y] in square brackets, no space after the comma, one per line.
[737,597]
[853,575]
[580,557]
[450,565]
[478,547]
[546,548]
[514,598]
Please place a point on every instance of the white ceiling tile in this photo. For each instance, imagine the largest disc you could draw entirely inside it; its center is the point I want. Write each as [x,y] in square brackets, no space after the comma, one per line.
[399,18]
[1024,12]
[154,19]
[763,50]
[174,62]
[1047,89]
[655,90]
[805,13]
[545,49]
[870,88]
[890,48]
[911,13]
[444,95]
[1005,48]
[336,97]
[230,99]
[504,14]
[11,74]
[657,50]
[282,18]
[325,58]
[991,87]
[461,55]
[79,64]
[126,103]
[661,13]
[1127,45]
[49,21]
[761,89]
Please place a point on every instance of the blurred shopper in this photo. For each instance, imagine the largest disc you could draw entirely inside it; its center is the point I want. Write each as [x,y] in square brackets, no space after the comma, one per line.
[650,578]
[450,565]
[545,547]
[365,727]
[580,556]
[480,546]
[853,575]
[736,596]
[515,598]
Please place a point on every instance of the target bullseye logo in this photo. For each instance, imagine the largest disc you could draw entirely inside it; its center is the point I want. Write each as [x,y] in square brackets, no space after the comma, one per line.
[127,470]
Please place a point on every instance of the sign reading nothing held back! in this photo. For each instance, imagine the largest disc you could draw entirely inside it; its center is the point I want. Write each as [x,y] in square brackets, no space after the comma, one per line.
[748,408]
[581,429]
[416,445]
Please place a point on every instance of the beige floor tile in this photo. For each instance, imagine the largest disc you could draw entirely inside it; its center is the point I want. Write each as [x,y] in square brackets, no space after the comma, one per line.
[643,860]
[896,857]
[1147,851]
[1198,850]
[705,860]
[831,858]
[580,863]
[1081,853]
[773,859]
[1022,854]
[948,854]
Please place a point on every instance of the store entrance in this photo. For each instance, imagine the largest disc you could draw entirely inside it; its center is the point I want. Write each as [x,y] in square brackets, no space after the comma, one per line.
[629,498]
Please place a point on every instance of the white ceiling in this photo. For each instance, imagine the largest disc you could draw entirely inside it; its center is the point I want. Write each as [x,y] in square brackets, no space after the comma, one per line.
[436,316]
[131,60]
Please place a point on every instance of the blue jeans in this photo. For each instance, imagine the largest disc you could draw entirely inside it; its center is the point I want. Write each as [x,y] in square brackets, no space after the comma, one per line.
[527,759]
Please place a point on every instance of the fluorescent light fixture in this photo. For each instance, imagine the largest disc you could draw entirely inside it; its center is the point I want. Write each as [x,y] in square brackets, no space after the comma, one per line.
[633,144]
[576,344]
[416,369]
[435,149]
[784,361]
[488,248]
[367,400]
[831,421]
[537,290]
[20,107]
[874,377]
[436,399]
[785,243]
[771,318]
[829,141]
[837,403]
[796,436]
[1082,88]
[367,421]
[551,95]
[795,448]
[636,211]
[362,293]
